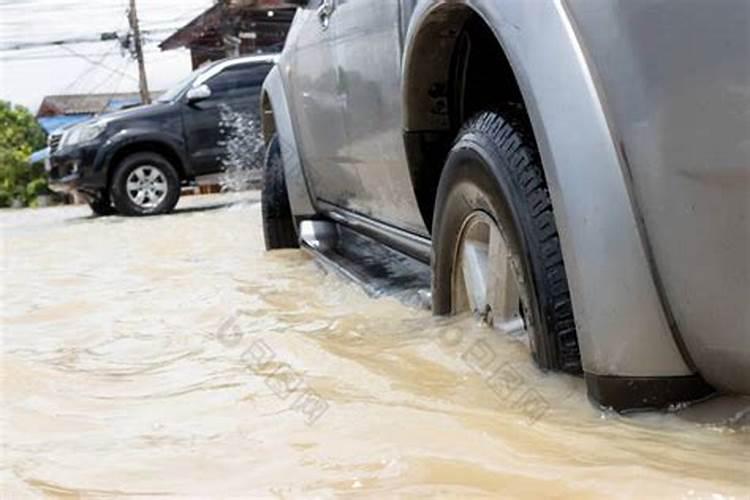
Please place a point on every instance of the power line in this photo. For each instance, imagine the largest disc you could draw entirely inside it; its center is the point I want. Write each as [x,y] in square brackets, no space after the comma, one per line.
[87,71]
[161,13]
[93,38]
[100,61]
[124,67]
[46,57]
[101,37]
[116,87]
[94,62]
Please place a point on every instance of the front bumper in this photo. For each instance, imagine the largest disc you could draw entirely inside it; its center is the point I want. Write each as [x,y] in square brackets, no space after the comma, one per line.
[75,170]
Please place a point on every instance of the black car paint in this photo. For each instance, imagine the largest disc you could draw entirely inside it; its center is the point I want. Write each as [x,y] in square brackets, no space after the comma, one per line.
[189,132]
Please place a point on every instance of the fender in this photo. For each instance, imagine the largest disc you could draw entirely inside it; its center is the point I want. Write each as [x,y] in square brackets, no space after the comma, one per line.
[276,118]
[614,291]
[130,136]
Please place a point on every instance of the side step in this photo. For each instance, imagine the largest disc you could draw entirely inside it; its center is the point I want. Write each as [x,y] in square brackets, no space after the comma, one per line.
[378,269]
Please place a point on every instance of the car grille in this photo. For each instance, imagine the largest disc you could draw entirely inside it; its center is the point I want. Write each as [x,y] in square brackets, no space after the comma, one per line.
[54,142]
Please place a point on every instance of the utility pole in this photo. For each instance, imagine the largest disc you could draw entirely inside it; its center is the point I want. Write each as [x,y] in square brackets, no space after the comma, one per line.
[138,45]
[231,42]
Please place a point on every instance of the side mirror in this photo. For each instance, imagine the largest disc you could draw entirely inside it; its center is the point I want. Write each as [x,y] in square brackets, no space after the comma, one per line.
[198,94]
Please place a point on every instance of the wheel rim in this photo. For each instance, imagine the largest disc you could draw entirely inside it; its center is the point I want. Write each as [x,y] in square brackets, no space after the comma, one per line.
[487,279]
[147,186]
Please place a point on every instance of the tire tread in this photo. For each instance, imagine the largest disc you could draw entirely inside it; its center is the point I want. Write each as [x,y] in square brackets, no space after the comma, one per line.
[510,132]
[278,221]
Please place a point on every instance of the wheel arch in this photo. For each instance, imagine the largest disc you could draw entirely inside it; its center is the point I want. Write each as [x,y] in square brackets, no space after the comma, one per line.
[277,119]
[442,89]
[146,144]
[601,234]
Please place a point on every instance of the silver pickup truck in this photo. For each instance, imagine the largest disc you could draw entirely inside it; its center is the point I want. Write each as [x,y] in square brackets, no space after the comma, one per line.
[577,171]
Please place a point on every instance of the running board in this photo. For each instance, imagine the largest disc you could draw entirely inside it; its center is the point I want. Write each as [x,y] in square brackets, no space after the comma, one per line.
[381,271]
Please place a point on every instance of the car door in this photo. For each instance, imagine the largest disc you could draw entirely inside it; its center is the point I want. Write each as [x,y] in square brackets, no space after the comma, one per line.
[234,95]
[367,47]
[318,109]
[252,87]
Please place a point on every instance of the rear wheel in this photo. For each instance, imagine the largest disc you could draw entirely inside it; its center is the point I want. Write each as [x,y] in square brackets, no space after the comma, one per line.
[496,246]
[278,222]
[145,184]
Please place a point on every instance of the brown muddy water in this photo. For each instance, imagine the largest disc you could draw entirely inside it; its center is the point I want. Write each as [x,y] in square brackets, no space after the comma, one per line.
[172,356]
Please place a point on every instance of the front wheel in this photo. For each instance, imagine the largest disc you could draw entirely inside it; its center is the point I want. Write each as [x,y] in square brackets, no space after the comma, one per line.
[278,221]
[102,206]
[496,246]
[145,184]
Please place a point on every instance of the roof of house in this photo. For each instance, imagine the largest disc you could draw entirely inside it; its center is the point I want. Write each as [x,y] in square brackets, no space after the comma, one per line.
[87,104]
[196,28]
[210,21]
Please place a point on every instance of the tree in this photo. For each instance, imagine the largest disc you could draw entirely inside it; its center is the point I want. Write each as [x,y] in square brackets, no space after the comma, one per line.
[20,135]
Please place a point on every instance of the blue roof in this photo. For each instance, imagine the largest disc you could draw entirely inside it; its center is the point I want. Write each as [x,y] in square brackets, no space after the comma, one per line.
[117,104]
[52,123]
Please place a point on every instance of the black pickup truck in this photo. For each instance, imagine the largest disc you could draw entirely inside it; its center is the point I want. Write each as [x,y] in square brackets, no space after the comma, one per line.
[135,161]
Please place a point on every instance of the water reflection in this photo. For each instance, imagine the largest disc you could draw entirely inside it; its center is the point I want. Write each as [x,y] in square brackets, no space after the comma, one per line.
[170,356]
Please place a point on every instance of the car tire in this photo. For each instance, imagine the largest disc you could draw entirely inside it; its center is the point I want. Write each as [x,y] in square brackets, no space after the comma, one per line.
[145,184]
[493,190]
[102,206]
[278,222]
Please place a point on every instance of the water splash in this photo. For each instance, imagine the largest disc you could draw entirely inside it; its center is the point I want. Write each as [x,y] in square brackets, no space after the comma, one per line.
[243,149]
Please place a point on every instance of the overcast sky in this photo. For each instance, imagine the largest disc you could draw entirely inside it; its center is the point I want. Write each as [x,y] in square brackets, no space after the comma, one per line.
[26,76]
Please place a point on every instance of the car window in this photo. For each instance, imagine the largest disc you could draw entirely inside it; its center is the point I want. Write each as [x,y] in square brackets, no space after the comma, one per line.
[238,79]
[257,73]
[179,89]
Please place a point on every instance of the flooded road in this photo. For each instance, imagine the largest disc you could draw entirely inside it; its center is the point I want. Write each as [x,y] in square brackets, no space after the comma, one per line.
[173,356]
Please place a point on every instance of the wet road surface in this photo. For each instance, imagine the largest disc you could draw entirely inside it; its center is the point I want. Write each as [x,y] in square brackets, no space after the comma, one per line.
[173,356]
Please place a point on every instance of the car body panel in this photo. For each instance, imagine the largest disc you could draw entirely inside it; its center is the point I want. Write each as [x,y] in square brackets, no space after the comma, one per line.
[235,95]
[74,170]
[132,136]
[296,182]
[319,112]
[628,324]
[368,69]
[610,277]
[676,76]
[191,133]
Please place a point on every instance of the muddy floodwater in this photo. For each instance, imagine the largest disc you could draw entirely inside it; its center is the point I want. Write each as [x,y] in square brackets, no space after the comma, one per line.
[173,356]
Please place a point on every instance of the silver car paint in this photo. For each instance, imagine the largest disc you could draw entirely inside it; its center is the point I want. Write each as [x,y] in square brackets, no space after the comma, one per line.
[622,327]
[623,306]
[676,76]
[275,104]
[368,67]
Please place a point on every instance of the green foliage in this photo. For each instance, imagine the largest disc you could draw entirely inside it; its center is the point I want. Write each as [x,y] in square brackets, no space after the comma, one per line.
[20,135]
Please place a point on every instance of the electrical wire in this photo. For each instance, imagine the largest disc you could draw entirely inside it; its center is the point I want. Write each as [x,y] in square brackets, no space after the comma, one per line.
[96,63]
[57,55]
[87,72]
[100,11]
[116,88]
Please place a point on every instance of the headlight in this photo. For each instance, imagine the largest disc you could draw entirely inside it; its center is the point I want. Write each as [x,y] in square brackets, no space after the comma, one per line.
[83,133]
